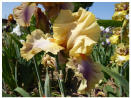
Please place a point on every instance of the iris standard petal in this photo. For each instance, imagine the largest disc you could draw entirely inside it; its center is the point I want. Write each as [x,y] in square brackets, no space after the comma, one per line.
[42,21]
[67,30]
[82,45]
[53,8]
[23,13]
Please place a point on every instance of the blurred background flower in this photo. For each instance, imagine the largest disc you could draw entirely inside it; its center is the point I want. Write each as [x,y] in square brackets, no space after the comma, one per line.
[17,30]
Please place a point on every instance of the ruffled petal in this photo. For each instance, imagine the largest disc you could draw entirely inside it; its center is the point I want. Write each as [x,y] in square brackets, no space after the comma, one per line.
[120,59]
[23,13]
[121,54]
[36,42]
[67,30]
[62,26]
[86,25]
[82,45]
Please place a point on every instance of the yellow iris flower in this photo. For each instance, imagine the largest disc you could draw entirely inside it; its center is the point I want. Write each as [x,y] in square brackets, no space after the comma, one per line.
[119,59]
[117,30]
[114,39]
[77,34]
[121,54]
[73,32]
[119,16]
[121,10]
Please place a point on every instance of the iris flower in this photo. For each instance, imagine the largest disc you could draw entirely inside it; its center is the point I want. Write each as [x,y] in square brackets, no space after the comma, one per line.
[24,12]
[114,39]
[121,54]
[75,33]
[121,10]
[119,59]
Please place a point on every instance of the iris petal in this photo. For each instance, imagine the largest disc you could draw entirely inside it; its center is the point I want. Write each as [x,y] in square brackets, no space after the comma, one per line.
[68,30]
[91,72]
[36,42]
[23,13]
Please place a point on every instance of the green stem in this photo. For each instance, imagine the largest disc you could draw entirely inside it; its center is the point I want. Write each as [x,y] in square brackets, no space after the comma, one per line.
[47,84]
[16,73]
[60,80]
[38,76]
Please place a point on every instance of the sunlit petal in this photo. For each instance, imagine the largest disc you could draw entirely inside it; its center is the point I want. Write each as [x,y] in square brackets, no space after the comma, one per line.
[114,39]
[23,13]
[36,42]
[82,45]
[68,30]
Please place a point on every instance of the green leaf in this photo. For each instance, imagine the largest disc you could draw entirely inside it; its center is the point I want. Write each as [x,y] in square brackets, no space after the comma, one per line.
[15,39]
[107,23]
[40,84]
[123,82]
[32,23]
[109,89]
[47,85]
[7,75]
[22,92]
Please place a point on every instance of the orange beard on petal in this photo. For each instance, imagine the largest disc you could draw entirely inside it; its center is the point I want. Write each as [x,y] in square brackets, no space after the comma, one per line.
[83,56]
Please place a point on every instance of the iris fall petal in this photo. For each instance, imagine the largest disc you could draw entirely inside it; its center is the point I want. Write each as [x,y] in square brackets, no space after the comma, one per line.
[91,72]
[36,42]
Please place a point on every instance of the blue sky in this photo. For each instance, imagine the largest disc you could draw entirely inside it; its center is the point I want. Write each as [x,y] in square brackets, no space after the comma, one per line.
[102,10]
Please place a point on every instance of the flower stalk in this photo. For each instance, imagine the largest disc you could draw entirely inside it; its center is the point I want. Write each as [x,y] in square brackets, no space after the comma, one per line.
[38,76]
[60,80]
